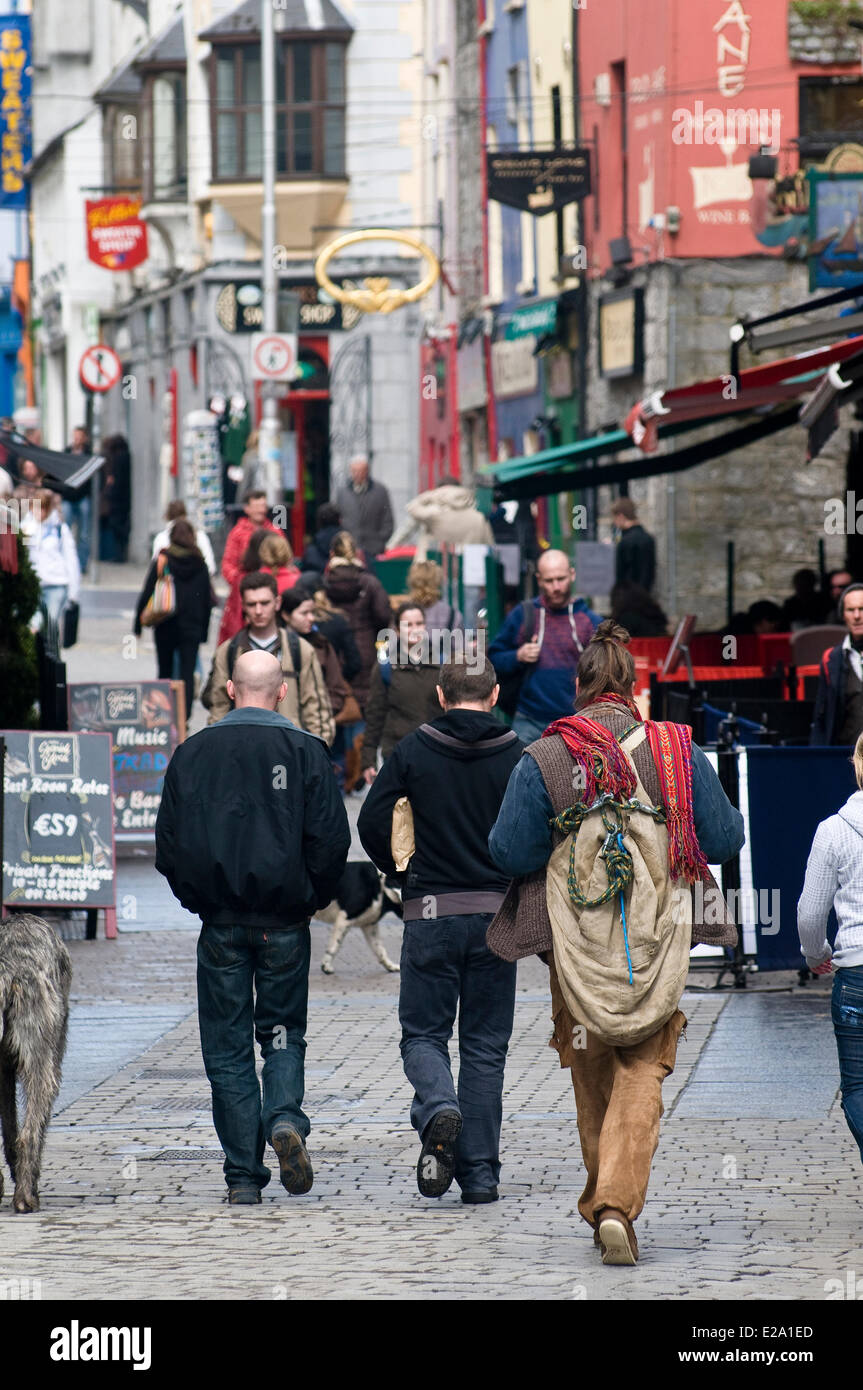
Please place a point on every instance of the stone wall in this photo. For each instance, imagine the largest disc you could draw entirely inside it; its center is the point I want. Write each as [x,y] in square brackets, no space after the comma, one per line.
[765,498]
[827,40]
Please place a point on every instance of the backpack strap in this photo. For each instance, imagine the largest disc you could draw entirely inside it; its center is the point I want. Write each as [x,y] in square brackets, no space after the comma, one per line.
[296,654]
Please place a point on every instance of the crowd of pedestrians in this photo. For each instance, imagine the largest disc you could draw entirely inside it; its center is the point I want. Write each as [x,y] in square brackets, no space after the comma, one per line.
[579,834]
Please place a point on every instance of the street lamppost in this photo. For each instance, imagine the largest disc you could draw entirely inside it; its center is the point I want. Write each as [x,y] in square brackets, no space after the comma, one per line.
[269,434]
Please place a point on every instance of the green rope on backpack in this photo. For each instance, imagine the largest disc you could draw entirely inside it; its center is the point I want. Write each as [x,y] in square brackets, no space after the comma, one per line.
[618,860]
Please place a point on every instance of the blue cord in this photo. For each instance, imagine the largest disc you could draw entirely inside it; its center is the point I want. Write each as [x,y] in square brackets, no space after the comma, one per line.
[623,916]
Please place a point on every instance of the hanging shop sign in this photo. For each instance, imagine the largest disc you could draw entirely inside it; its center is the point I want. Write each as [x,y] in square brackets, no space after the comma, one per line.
[514,367]
[377,295]
[58,843]
[621,333]
[532,320]
[538,181]
[116,236]
[835,230]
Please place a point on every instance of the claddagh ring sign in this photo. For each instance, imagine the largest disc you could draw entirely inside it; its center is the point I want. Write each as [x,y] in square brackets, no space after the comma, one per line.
[376,295]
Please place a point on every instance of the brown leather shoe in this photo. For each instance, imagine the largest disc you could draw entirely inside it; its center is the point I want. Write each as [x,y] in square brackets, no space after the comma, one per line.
[617,1238]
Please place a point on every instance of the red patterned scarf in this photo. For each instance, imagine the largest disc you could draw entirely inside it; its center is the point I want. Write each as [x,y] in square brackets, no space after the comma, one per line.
[606,768]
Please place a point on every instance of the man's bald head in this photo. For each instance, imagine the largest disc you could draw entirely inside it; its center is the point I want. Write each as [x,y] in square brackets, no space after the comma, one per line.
[555,577]
[257,681]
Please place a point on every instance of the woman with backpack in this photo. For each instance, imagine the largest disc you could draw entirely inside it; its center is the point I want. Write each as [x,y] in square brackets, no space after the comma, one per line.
[834,879]
[608,823]
[186,629]
[53,555]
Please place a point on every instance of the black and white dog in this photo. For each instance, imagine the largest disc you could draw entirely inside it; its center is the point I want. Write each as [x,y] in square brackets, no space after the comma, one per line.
[362,897]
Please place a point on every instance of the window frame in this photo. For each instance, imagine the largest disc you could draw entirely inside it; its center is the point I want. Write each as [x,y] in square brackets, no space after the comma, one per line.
[816,146]
[178,191]
[317,106]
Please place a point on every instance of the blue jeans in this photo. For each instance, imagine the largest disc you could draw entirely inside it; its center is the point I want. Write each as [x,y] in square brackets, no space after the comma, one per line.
[276,961]
[77,514]
[847,1010]
[528,730]
[54,597]
[446,965]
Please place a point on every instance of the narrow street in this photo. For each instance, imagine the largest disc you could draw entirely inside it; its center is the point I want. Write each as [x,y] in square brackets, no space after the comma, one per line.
[754,1194]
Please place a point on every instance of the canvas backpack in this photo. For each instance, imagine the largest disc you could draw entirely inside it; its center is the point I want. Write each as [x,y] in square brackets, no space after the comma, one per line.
[622,985]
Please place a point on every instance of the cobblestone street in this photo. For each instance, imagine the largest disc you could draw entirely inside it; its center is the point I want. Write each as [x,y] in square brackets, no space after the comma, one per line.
[755,1191]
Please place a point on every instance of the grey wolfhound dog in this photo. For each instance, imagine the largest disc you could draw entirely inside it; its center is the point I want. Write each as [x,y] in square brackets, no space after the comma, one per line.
[35,975]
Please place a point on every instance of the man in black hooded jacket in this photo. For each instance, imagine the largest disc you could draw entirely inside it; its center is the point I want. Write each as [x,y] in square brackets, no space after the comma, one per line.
[454,773]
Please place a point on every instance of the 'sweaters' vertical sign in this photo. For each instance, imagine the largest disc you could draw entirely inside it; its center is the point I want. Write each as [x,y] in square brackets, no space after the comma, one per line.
[143,722]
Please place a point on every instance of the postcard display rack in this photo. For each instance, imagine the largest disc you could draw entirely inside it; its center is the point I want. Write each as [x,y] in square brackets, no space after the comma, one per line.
[202,470]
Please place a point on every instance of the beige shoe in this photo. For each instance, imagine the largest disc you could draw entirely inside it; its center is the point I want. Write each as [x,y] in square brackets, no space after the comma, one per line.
[617,1238]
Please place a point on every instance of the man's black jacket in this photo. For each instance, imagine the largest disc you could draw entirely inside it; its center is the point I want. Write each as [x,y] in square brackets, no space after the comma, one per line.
[635,559]
[454,772]
[829,699]
[252,830]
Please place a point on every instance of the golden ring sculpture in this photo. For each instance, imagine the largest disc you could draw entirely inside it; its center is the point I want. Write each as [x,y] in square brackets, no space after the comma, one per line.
[378,297]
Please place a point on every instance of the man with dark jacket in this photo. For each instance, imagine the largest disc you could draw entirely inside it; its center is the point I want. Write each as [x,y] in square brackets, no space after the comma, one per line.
[252,836]
[365,509]
[454,773]
[635,557]
[838,717]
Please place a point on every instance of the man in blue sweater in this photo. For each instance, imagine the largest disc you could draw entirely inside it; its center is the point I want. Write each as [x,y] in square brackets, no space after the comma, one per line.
[546,649]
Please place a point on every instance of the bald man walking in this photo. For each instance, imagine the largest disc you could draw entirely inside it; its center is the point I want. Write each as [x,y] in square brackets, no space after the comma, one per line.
[252,836]
[539,646]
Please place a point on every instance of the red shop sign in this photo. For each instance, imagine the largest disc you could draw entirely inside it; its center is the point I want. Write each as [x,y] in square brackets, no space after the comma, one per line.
[116,236]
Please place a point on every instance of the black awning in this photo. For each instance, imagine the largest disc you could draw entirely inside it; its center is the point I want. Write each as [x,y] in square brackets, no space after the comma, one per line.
[72,470]
[582,476]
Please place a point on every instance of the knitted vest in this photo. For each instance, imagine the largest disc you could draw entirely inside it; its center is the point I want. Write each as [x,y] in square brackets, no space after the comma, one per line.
[521,926]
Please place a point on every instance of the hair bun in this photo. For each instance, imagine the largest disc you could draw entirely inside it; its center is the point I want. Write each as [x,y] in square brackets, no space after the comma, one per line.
[610,631]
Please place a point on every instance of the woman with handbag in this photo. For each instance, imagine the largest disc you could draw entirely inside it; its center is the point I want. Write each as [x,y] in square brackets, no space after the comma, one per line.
[176,600]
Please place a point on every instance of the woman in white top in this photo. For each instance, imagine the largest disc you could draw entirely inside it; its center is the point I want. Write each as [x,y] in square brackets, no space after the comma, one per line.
[834,878]
[53,554]
[176,511]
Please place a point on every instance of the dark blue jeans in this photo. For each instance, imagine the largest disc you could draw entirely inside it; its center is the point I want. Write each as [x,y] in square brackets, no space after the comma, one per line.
[230,961]
[446,965]
[847,1009]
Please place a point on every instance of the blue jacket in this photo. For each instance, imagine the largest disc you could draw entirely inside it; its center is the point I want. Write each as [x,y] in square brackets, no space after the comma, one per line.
[546,694]
[521,840]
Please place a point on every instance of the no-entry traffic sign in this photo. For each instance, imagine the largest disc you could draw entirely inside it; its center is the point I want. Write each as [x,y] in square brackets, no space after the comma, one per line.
[274,356]
[99,368]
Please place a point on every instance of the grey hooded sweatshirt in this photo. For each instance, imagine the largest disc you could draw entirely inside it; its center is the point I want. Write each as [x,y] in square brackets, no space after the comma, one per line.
[834,878]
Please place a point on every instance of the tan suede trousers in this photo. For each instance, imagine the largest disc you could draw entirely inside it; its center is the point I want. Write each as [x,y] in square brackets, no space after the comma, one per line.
[618,1101]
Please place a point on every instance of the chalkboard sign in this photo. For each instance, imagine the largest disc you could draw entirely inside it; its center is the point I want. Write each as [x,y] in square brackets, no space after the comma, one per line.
[144,724]
[58,845]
